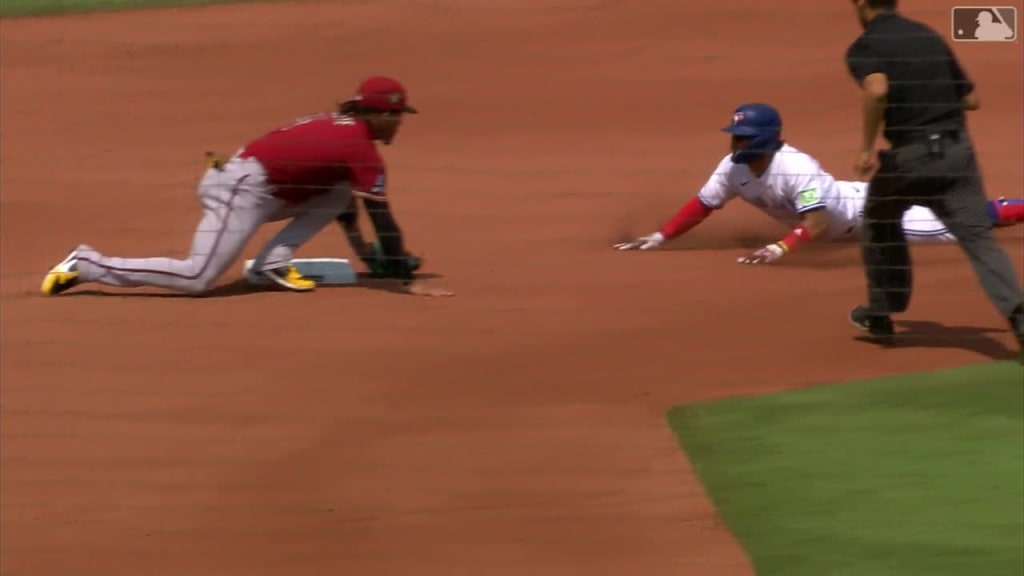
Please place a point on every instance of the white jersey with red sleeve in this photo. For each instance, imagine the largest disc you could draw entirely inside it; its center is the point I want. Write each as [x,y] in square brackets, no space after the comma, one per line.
[794,183]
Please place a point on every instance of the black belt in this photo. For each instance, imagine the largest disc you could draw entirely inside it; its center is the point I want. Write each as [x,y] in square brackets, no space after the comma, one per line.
[928,137]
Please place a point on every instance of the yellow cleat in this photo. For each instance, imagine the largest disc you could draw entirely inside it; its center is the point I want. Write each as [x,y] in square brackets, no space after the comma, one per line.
[61,277]
[288,277]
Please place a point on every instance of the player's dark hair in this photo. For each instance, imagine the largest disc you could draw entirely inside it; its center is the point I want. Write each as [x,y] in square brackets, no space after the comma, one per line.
[354,108]
[349,108]
[882,4]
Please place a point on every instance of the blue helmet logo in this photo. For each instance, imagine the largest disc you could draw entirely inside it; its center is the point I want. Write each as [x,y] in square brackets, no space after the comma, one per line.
[762,123]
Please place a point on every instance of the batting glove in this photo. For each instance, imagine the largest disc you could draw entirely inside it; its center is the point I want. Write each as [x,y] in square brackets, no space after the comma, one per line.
[649,242]
[766,255]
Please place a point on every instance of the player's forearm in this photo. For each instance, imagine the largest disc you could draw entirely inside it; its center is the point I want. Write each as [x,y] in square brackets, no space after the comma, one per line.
[814,224]
[388,233]
[692,213]
[349,221]
[873,115]
[970,101]
[797,236]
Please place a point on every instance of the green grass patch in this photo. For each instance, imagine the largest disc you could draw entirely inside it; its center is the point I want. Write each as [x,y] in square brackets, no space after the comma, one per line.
[15,8]
[919,475]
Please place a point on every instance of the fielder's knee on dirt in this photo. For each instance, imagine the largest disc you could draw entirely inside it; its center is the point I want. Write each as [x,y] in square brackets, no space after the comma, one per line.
[199,286]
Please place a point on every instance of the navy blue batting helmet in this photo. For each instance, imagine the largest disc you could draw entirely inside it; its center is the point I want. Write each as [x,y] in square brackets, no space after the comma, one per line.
[762,123]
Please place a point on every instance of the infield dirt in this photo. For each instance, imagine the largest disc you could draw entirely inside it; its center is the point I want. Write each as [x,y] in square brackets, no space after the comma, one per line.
[518,428]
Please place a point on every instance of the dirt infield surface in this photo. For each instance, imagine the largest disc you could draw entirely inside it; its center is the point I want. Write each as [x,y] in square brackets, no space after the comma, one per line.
[515,429]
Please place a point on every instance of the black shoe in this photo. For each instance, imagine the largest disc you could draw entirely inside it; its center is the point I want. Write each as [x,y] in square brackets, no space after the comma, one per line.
[876,326]
[1017,327]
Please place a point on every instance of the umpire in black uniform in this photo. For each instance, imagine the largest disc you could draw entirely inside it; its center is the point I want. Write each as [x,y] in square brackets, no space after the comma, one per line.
[912,82]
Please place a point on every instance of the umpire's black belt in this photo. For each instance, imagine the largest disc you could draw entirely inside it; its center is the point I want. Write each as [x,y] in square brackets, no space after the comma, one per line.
[926,137]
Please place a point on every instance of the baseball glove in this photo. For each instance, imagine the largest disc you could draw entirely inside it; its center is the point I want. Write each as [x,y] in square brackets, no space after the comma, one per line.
[380,266]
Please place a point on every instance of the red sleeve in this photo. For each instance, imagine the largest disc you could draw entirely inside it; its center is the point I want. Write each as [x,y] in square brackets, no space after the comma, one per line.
[369,178]
[693,213]
[797,235]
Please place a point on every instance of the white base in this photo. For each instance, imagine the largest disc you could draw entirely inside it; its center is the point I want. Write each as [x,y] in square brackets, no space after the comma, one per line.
[325,271]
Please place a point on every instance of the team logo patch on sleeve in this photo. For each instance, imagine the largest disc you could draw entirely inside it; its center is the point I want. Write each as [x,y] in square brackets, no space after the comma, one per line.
[809,196]
[380,186]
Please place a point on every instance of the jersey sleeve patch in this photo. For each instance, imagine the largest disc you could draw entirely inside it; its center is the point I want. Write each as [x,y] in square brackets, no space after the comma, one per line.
[369,177]
[809,199]
[378,190]
[380,185]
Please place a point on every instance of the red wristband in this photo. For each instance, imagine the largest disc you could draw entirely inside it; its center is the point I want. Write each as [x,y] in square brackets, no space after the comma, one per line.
[799,234]
[693,213]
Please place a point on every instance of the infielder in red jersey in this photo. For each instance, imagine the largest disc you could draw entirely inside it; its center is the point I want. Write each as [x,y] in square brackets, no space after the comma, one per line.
[309,172]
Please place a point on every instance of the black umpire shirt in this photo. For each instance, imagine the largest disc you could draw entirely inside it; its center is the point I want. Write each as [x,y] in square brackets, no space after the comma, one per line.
[926,82]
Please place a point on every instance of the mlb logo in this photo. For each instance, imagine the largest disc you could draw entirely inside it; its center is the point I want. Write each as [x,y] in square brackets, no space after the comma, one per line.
[737,117]
[984,23]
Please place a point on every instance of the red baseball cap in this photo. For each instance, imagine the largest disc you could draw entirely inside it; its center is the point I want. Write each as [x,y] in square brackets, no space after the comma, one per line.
[383,93]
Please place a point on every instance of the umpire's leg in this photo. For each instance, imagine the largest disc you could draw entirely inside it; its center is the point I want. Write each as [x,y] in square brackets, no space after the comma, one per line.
[962,207]
[884,244]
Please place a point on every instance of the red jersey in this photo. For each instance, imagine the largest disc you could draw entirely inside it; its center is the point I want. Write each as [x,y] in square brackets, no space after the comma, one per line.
[316,153]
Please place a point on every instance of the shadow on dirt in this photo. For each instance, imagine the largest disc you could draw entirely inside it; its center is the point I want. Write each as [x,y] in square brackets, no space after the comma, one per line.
[240,287]
[818,256]
[811,256]
[927,334]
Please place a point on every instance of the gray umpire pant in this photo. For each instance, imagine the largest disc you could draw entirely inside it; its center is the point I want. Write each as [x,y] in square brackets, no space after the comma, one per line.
[939,172]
